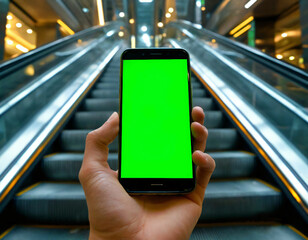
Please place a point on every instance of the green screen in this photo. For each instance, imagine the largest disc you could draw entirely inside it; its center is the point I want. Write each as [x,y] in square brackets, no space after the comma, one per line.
[156,140]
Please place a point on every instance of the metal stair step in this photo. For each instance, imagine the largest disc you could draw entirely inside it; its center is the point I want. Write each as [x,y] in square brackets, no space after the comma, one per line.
[240,199]
[112,104]
[218,139]
[94,119]
[110,85]
[243,232]
[230,232]
[66,166]
[65,203]
[104,93]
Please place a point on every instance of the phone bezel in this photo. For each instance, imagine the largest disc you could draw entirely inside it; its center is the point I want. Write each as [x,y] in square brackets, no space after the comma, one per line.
[155,185]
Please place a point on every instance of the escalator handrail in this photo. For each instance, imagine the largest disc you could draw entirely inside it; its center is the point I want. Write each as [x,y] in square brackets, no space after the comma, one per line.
[293,73]
[11,65]
[286,102]
[35,147]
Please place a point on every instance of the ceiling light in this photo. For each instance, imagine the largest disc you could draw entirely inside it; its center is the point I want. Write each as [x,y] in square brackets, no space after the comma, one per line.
[250,3]
[239,33]
[121,14]
[100,11]
[160,24]
[291,58]
[131,21]
[145,1]
[168,15]
[67,28]
[121,34]
[171,10]
[19,25]
[22,48]
[144,28]
[8,26]
[203,9]
[9,42]
[9,17]
[284,35]
[238,27]
[29,31]
[198,4]
[279,56]
[85,10]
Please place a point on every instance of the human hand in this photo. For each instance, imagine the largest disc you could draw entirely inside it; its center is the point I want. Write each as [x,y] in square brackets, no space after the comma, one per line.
[114,214]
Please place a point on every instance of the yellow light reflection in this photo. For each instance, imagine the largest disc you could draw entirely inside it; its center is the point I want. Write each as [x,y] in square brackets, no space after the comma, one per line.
[239,33]
[238,27]
[62,24]
[100,12]
[30,71]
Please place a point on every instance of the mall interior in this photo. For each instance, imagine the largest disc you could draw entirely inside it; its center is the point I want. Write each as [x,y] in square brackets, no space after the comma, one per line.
[60,78]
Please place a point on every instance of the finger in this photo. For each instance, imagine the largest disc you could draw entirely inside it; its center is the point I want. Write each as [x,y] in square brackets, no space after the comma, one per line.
[200,134]
[205,167]
[96,150]
[198,115]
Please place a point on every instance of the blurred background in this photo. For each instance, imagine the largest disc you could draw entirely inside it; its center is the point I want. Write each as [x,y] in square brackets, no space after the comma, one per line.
[275,27]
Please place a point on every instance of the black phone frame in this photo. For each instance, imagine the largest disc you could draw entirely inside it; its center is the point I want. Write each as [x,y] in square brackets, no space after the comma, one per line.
[161,186]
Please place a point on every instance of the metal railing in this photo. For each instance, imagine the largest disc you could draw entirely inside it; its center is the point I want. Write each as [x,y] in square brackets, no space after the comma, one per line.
[276,125]
[31,118]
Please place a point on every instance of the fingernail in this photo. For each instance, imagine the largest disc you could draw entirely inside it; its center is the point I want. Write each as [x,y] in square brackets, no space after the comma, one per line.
[113,115]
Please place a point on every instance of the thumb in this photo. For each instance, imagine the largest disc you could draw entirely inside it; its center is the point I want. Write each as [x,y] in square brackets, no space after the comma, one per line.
[96,150]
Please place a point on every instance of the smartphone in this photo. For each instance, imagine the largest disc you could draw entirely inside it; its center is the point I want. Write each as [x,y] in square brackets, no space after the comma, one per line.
[155,139]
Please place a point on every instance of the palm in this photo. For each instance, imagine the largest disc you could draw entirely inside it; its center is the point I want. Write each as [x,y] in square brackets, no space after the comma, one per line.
[144,216]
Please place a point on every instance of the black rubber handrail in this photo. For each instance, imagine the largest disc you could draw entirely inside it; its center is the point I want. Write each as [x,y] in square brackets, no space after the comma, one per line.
[10,66]
[293,73]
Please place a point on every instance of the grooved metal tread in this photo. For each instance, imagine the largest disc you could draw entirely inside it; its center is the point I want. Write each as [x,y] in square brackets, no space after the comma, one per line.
[114,93]
[94,119]
[112,104]
[239,232]
[225,200]
[66,166]
[218,139]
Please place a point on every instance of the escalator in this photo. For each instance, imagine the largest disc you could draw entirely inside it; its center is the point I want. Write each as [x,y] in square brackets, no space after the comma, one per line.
[243,199]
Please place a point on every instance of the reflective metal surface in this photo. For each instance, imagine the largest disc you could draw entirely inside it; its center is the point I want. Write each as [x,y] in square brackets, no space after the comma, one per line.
[32,117]
[276,125]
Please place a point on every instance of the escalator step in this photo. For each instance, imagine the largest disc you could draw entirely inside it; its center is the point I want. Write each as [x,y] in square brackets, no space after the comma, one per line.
[48,233]
[244,232]
[107,86]
[226,232]
[66,166]
[65,203]
[93,120]
[233,164]
[115,84]
[206,103]
[74,141]
[222,139]
[199,93]
[240,199]
[104,93]
[110,78]
[218,139]
[112,104]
